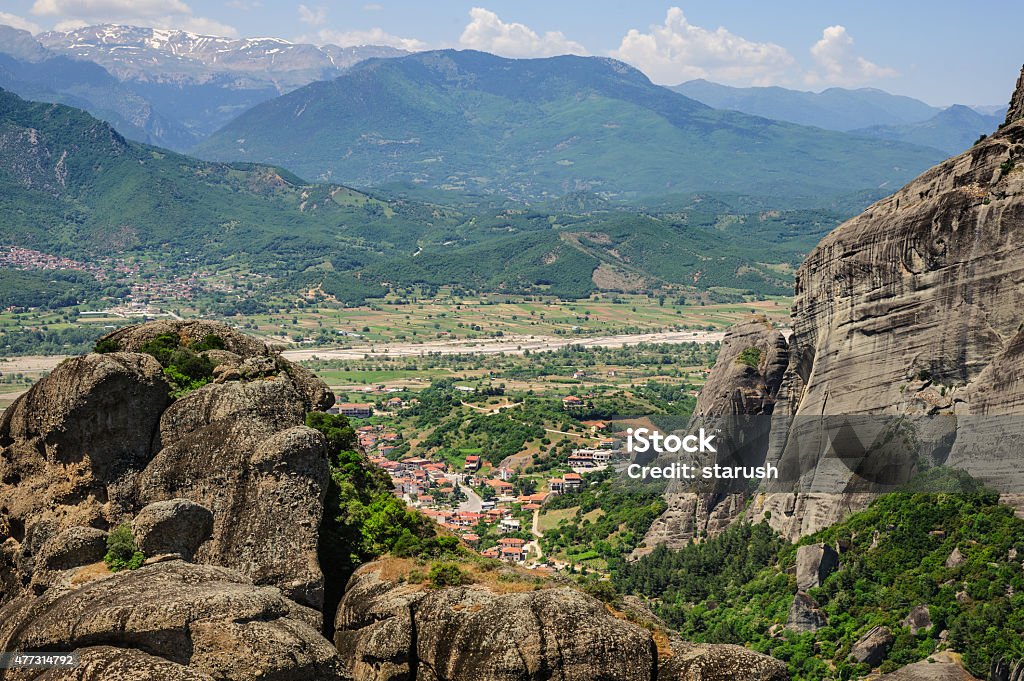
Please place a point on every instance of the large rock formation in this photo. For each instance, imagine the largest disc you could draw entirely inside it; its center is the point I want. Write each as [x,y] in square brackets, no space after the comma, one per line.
[388,630]
[912,308]
[1016,110]
[744,382]
[814,562]
[227,476]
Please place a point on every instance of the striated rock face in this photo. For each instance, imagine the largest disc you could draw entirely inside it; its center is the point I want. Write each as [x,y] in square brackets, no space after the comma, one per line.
[390,631]
[911,308]
[745,381]
[227,476]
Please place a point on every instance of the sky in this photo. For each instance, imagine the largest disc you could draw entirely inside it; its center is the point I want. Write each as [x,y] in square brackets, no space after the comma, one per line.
[942,51]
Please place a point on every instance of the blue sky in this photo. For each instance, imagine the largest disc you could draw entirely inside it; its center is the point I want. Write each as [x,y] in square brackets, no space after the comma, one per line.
[939,51]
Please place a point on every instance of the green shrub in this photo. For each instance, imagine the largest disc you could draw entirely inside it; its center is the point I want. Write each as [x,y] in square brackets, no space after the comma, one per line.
[121,551]
[211,341]
[106,345]
[750,356]
[446,574]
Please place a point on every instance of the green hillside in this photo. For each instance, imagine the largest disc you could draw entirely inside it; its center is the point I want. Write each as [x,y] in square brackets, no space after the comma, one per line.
[71,185]
[475,122]
[74,187]
[895,556]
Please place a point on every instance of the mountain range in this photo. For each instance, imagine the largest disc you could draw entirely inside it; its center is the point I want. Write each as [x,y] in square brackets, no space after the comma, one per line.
[72,186]
[477,123]
[833,109]
[164,87]
[864,111]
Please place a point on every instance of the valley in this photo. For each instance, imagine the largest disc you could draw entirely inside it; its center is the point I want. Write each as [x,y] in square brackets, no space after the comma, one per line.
[319,356]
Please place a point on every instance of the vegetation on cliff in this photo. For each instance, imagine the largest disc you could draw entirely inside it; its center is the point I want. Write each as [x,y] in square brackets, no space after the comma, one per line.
[896,555]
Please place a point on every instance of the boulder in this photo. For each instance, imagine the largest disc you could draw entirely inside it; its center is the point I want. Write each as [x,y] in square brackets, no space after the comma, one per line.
[814,562]
[391,631]
[941,666]
[73,547]
[176,526]
[265,490]
[804,614]
[919,619]
[67,443]
[955,559]
[210,619]
[873,646]
[701,662]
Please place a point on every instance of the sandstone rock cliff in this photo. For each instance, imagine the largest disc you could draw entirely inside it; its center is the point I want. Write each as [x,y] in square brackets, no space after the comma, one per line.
[745,381]
[393,631]
[226,477]
[911,308]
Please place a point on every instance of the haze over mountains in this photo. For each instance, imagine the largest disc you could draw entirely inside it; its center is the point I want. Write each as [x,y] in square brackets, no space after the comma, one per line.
[175,88]
[475,122]
[864,111]
[165,87]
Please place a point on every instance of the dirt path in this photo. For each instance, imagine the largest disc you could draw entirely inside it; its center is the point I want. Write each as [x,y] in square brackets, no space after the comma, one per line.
[511,345]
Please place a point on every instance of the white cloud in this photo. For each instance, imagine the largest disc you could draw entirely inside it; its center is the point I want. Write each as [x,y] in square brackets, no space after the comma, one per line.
[487,32]
[314,16]
[839,65]
[678,51]
[15,21]
[374,36]
[155,13]
[373,7]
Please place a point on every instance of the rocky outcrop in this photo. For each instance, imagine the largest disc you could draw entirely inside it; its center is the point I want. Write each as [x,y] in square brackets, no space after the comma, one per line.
[1016,110]
[388,630]
[210,619]
[938,667]
[911,308]
[177,526]
[919,619]
[227,477]
[745,381]
[814,562]
[873,646]
[804,614]
[695,662]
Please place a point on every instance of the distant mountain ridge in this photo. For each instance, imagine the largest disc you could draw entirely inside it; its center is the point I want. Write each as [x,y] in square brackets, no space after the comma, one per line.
[538,128]
[170,88]
[165,55]
[832,109]
[952,130]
